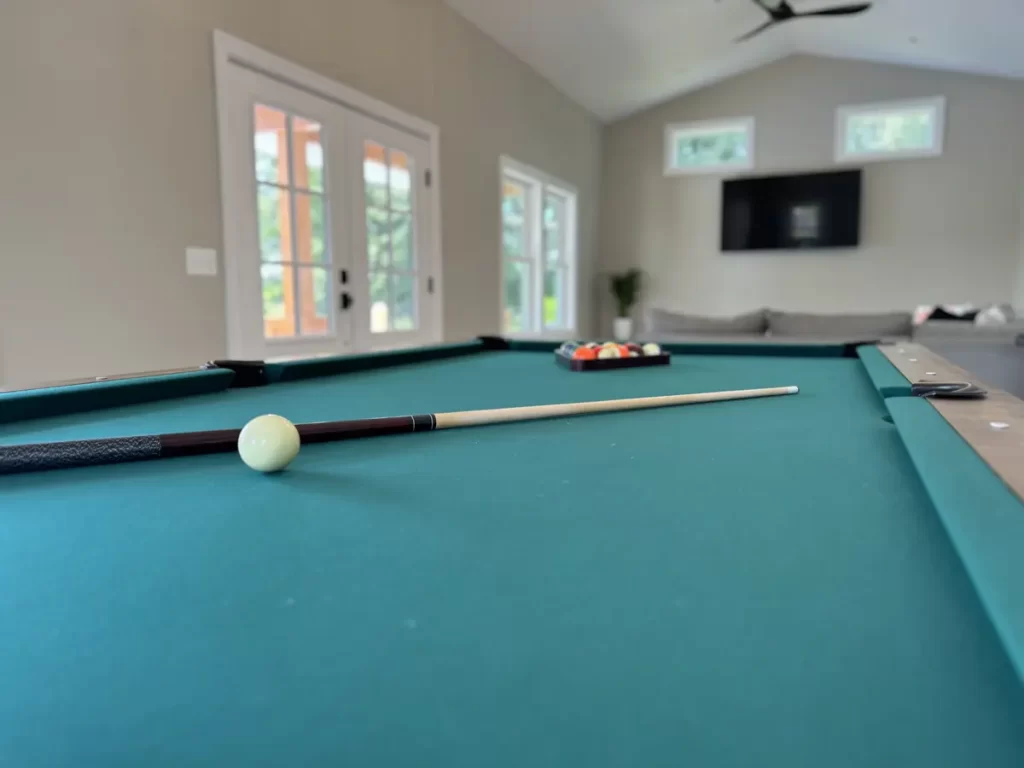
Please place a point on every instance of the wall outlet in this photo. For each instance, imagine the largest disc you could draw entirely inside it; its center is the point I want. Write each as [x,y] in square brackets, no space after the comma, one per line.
[201,261]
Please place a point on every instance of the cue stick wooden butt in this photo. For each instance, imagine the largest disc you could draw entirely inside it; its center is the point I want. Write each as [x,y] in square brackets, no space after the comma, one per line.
[534,412]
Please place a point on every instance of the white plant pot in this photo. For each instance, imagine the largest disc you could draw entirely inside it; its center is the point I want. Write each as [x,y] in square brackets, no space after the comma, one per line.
[623,328]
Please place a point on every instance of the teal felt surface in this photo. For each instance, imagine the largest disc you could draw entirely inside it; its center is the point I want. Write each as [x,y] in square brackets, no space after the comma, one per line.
[984,518]
[73,399]
[884,375]
[759,583]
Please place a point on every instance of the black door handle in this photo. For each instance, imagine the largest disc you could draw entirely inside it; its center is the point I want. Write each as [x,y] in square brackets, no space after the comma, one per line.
[345,302]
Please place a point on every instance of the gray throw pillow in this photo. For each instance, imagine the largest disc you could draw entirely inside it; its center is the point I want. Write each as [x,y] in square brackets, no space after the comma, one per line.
[663,321]
[852,327]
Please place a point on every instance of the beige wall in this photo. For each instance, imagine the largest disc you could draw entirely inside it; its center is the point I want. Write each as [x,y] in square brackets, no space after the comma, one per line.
[945,229]
[108,154]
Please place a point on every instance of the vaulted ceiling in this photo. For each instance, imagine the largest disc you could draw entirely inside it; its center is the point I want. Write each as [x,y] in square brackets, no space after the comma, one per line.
[615,57]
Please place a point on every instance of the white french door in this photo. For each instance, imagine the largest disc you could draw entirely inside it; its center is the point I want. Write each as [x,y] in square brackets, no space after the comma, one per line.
[328,223]
[392,246]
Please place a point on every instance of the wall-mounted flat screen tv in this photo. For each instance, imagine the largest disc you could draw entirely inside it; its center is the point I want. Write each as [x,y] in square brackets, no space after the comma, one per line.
[811,210]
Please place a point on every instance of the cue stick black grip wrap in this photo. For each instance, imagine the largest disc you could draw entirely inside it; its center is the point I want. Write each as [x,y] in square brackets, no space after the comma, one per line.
[77,453]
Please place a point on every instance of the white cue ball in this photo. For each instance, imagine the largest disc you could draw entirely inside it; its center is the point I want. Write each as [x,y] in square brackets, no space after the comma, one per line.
[268,443]
[651,350]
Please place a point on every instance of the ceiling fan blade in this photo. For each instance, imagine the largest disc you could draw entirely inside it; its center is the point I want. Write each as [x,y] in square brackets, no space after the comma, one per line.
[843,10]
[779,11]
[757,31]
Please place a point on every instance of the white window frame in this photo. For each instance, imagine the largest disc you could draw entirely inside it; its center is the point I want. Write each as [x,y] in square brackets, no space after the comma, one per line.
[537,183]
[843,114]
[673,131]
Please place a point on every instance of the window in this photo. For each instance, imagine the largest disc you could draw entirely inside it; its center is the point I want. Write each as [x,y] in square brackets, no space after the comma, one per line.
[709,147]
[290,201]
[890,130]
[390,238]
[538,245]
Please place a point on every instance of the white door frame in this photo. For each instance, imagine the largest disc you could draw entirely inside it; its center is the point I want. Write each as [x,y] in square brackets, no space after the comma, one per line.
[228,52]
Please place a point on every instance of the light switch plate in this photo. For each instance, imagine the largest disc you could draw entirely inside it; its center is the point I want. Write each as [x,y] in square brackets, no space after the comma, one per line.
[201,261]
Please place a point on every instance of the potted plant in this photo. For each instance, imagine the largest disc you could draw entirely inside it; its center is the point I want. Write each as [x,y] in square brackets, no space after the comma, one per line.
[626,289]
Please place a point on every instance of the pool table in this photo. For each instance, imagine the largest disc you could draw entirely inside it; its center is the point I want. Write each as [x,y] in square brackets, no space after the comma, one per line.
[834,578]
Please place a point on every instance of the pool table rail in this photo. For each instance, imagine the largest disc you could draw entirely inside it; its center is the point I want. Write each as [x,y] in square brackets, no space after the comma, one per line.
[976,484]
[993,427]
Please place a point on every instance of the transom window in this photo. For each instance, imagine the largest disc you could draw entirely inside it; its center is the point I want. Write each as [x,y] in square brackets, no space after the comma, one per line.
[890,130]
[538,242]
[709,147]
[291,199]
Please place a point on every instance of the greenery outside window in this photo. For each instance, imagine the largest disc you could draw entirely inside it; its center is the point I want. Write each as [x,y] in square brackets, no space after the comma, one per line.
[709,147]
[890,130]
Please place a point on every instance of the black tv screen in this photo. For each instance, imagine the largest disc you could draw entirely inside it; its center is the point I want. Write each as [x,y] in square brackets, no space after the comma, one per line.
[812,210]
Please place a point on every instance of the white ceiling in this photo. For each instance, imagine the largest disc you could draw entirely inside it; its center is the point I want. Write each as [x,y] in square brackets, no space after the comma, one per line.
[618,56]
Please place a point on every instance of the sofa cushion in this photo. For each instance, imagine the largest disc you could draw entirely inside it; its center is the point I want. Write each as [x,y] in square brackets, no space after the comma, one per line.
[951,330]
[663,321]
[852,327]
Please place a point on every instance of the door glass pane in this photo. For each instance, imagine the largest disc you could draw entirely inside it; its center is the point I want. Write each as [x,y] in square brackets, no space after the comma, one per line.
[271,141]
[308,153]
[554,228]
[314,317]
[375,175]
[517,282]
[291,210]
[390,238]
[378,238]
[278,301]
[310,233]
[401,241]
[379,302]
[403,317]
[274,218]
[554,298]
[401,181]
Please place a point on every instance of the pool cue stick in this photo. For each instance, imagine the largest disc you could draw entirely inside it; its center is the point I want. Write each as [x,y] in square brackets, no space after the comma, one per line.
[535,412]
[35,457]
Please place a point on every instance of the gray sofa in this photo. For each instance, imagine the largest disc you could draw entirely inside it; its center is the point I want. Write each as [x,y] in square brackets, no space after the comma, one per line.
[772,325]
[951,331]
[769,325]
